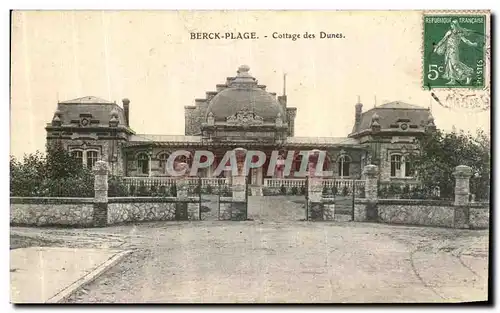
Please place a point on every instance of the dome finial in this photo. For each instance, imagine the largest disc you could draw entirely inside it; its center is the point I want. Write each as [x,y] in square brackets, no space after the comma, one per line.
[243,69]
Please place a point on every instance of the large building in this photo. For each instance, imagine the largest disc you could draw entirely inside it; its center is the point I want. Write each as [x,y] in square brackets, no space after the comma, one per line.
[240,113]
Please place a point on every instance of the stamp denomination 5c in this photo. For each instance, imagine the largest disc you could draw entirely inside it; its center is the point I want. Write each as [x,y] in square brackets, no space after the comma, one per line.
[454,51]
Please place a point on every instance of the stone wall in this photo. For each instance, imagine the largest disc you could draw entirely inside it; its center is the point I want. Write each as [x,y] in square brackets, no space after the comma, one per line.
[75,212]
[416,213]
[360,211]
[143,209]
[479,216]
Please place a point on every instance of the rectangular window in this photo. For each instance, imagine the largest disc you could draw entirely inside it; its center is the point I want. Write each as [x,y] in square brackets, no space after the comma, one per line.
[395,165]
[91,159]
[78,155]
[408,169]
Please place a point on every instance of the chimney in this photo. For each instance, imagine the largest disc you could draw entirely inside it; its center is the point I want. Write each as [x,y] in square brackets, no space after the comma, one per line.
[282,102]
[126,110]
[357,114]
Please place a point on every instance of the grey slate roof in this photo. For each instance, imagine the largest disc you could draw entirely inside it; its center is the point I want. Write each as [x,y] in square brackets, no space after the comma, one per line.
[99,109]
[231,100]
[87,99]
[390,113]
[163,138]
[299,141]
[322,140]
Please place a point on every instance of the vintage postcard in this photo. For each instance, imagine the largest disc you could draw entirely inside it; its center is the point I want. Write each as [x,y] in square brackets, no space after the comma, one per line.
[250,156]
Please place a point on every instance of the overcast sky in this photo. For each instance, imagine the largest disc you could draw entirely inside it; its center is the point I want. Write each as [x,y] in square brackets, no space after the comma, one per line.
[149,58]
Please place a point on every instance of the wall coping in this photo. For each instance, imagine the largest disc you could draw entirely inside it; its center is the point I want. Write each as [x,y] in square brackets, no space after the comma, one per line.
[154,200]
[50,200]
[416,202]
[479,205]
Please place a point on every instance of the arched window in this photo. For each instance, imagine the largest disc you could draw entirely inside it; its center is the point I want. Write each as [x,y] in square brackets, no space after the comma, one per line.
[78,155]
[344,163]
[143,163]
[91,158]
[163,158]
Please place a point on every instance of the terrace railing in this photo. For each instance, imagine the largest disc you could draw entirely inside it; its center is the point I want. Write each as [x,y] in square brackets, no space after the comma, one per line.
[285,182]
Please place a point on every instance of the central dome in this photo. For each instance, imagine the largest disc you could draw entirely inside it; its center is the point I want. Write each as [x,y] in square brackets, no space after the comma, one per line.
[243,93]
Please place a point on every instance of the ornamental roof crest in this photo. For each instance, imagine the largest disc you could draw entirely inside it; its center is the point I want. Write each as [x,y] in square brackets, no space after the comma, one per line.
[245,117]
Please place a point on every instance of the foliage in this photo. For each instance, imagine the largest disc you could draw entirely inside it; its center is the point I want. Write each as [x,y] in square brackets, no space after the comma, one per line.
[361,191]
[283,190]
[325,190]
[116,187]
[345,191]
[295,190]
[303,190]
[226,192]
[335,190]
[441,152]
[208,189]
[55,174]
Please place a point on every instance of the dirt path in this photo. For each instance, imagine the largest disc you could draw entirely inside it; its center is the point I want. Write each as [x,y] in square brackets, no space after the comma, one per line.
[276,208]
[261,262]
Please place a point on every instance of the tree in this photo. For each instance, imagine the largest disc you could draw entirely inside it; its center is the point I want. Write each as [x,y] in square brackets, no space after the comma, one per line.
[441,152]
[56,174]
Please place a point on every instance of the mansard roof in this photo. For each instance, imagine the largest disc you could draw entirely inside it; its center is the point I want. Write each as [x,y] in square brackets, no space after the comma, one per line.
[391,115]
[345,141]
[87,100]
[98,112]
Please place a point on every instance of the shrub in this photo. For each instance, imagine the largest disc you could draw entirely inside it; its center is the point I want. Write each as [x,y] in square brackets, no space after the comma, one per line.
[361,192]
[393,191]
[283,190]
[197,189]
[325,190]
[117,187]
[55,174]
[163,191]
[226,192]
[143,190]
[334,190]
[173,190]
[303,190]
[345,191]
[406,189]
[153,191]
[295,190]
[209,189]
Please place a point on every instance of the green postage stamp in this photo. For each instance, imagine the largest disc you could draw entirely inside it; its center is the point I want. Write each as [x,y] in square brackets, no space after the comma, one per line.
[454,47]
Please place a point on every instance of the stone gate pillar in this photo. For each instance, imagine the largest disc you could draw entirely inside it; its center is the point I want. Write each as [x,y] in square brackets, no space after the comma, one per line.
[182,181]
[371,193]
[239,178]
[184,210]
[100,216]
[462,175]
[315,186]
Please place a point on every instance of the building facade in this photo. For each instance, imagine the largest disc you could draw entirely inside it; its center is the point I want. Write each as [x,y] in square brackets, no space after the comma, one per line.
[240,113]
